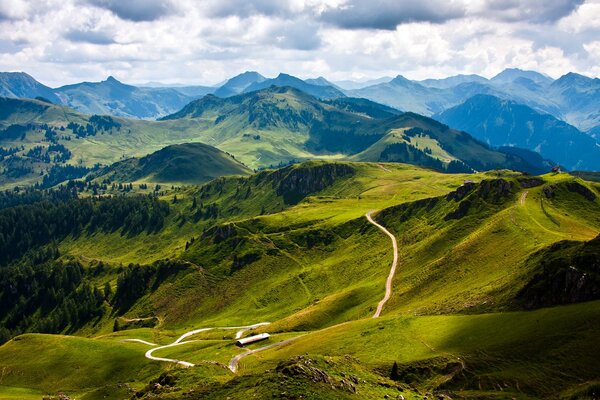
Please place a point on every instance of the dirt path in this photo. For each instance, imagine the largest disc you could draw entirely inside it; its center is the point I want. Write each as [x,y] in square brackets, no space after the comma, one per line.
[180,341]
[234,362]
[384,168]
[388,283]
[139,341]
[523,197]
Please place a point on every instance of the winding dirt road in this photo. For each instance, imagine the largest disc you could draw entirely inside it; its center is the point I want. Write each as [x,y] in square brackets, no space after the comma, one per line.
[234,362]
[180,341]
[388,283]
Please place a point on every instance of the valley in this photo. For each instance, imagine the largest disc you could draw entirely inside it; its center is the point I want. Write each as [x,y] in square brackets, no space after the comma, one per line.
[294,247]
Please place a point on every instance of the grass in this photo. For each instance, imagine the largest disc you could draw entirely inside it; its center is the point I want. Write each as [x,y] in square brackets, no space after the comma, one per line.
[52,363]
[318,266]
[542,351]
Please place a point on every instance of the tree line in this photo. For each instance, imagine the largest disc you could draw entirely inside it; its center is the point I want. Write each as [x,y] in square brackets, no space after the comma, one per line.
[27,226]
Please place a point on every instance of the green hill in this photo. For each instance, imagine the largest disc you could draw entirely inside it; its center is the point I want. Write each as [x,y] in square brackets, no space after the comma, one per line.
[341,127]
[292,247]
[189,163]
[45,143]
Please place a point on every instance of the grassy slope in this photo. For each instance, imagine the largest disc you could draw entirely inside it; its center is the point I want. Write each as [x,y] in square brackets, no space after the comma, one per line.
[474,264]
[52,362]
[542,351]
[188,163]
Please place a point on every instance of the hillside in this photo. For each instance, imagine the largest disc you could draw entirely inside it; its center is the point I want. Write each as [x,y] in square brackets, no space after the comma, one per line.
[292,247]
[412,138]
[47,143]
[343,127]
[189,163]
[506,123]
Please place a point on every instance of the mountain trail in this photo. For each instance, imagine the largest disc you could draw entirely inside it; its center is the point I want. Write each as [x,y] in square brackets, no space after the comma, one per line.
[180,341]
[388,283]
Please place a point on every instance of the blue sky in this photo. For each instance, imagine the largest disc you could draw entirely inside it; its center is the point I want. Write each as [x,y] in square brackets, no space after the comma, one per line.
[206,41]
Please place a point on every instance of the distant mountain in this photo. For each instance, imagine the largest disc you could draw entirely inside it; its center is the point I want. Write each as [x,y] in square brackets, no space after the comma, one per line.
[594,132]
[286,120]
[578,98]
[21,85]
[352,85]
[239,83]
[116,98]
[404,94]
[189,163]
[572,98]
[512,74]
[194,92]
[506,123]
[319,91]
[452,81]
[320,81]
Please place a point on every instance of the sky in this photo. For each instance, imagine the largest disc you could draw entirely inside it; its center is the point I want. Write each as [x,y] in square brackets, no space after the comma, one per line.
[207,41]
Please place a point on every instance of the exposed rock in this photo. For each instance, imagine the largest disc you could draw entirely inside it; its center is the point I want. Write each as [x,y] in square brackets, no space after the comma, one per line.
[494,191]
[548,191]
[221,232]
[303,366]
[530,182]
[569,272]
[460,192]
[577,187]
[295,183]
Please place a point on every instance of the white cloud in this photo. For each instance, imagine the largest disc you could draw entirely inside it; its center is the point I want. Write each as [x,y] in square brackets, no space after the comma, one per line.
[64,41]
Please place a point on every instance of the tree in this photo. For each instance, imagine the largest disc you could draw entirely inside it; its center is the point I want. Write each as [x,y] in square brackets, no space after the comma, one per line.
[107,291]
[116,326]
[394,374]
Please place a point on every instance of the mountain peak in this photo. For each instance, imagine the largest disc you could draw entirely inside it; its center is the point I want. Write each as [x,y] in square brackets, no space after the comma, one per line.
[509,75]
[399,79]
[112,79]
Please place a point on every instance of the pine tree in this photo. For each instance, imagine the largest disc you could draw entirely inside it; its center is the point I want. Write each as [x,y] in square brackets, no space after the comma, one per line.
[107,291]
[394,374]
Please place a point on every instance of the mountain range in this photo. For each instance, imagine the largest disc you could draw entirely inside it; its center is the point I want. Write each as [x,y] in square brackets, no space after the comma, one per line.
[263,128]
[572,98]
[500,122]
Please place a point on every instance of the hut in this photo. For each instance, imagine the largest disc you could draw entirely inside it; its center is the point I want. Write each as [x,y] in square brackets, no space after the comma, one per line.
[252,339]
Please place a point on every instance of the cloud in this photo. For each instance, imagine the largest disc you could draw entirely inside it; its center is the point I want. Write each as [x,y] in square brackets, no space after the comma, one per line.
[299,36]
[13,9]
[88,36]
[388,14]
[245,8]
[137,10]
[205,41]
[8,46]
[537,11]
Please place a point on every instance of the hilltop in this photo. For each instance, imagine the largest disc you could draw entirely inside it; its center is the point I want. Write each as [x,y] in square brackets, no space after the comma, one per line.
[189,163]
